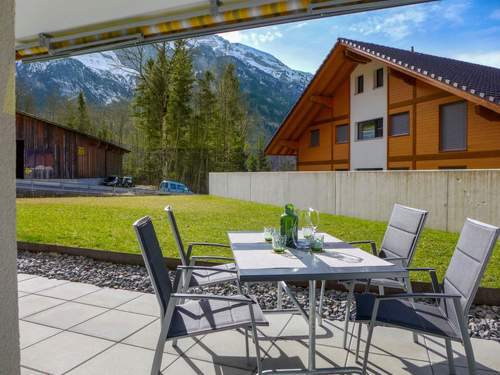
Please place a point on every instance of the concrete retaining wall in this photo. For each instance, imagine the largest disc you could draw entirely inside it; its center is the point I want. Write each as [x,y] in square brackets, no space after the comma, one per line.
[449,196]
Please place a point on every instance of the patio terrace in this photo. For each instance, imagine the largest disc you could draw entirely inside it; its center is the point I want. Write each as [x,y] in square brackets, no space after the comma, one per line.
[75,328]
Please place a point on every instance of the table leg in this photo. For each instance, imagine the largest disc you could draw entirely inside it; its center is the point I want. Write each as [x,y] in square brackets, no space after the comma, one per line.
[311,365]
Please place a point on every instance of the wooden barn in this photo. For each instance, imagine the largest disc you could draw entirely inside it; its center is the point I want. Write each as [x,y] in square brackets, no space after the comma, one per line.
[46,149]
[372,107]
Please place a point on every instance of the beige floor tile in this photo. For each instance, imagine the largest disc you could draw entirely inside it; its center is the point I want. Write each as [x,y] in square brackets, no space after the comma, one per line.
[113,325]
[123,360]
[37,284]
[188,366]
[24,276]
[443,370]
[388,365]
[108,297]
[145,304]
[486,353]
[69,291]
[392,341]
[62,352]
[27,371]
[66,315]
[30,333]
[147,338]
[32,304]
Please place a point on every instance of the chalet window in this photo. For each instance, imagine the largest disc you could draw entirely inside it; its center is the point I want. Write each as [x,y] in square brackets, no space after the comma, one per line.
[342,134]
[314,140]
[400,124]
[379,78]
[370,129]
[453,126]
[360,83]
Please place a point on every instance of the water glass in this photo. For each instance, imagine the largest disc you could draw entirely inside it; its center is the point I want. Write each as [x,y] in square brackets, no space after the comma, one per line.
[317,242]
[279,243]
[307,232]
[268,234]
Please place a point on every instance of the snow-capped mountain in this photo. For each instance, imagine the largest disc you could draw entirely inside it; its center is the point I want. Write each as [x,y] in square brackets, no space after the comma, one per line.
[105,77]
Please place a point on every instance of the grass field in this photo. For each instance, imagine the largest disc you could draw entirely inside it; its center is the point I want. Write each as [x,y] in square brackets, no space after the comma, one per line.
[106,223]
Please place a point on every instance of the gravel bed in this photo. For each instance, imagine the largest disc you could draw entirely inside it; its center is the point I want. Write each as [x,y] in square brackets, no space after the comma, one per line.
[484,321]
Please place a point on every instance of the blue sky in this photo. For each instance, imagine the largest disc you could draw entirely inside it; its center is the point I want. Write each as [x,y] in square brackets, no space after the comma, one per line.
[463,29]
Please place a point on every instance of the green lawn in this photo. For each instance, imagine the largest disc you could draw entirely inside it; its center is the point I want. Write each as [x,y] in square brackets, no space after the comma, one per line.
[106,223]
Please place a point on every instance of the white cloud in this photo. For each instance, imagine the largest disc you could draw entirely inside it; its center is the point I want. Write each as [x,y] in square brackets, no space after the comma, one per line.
[401,22]
[495,14]
[491,58]
[253,38]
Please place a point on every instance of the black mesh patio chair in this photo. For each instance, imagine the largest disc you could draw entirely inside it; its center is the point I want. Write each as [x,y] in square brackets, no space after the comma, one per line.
[196,276]
[447,316]
[201,314]
[398,247]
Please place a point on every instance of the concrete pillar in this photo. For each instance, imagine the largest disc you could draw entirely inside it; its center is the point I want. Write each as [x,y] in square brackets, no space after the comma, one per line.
[9,331]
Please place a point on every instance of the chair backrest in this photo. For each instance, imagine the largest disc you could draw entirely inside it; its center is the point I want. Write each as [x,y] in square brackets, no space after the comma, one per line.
[468,263]
[177,235]
[403,232]
[153,259]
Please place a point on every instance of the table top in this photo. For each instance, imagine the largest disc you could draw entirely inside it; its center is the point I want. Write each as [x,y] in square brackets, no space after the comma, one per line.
[256,261]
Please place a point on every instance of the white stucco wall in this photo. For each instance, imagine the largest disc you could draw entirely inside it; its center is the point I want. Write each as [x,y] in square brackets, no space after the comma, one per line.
[9,332]
[370,104]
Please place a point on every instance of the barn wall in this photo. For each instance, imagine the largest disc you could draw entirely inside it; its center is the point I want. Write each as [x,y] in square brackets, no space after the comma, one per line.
[54,152]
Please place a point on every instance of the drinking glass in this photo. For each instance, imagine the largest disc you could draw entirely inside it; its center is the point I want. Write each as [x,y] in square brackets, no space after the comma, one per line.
[279,243]
[313,218]
[268,234]
[300,243]
[307,232]
[317,242]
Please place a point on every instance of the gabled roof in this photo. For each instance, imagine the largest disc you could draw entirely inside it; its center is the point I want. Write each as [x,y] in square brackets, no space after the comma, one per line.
[477,83]
[480,80]
[65,127]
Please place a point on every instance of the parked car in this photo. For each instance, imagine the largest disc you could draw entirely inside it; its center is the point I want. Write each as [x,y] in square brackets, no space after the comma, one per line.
[174,187]
[111,181]
[126,181]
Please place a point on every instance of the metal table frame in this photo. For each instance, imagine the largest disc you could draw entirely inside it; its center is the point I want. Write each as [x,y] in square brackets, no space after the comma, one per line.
[314,271]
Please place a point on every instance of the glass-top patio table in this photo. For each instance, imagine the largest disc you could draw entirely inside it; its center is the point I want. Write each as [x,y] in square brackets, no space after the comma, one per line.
[256,261]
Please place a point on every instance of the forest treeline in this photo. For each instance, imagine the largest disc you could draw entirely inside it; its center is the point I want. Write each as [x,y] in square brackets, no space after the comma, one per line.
[179,125]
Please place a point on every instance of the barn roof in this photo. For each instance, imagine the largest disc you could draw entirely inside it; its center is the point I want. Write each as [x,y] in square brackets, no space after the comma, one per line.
[66,127]
[477,83]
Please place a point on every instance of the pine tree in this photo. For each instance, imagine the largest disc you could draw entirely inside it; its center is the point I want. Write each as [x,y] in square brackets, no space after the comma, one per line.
[82,120]
[233,121]
[149,109]
[179,114]
[262,161]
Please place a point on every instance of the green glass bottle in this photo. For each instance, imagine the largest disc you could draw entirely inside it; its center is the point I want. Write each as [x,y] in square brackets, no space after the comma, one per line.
[288,224]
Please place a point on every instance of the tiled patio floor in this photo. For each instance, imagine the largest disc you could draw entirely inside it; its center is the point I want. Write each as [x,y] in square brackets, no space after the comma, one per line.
[74,328]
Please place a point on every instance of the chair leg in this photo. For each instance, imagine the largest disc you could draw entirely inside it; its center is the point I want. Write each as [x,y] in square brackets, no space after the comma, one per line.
[160,345]
[409,289]
[257,349]
[469,353]
[358,341]
[449,354]
[247,349]
[371,326]
[279,296]
[348,311]
[321,299]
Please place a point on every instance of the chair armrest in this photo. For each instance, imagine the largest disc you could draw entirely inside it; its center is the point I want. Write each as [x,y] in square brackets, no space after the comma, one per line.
[205,268]
[209,257]
[432,273]
[372,243]
[395,258]
[238,298]
[417,295]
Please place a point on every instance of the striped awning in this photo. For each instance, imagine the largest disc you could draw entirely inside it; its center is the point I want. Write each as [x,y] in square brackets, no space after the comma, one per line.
[59,28]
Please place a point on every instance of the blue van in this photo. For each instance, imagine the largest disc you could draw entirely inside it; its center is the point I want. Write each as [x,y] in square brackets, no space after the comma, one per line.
[173,187]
